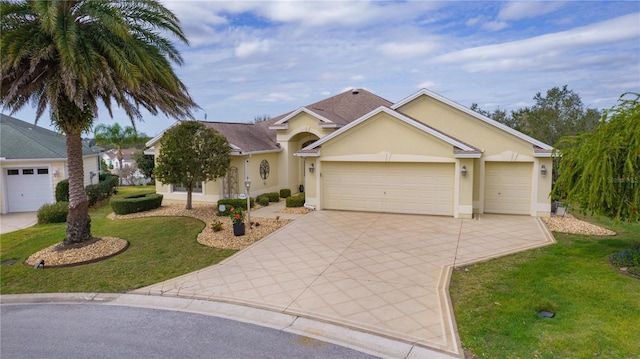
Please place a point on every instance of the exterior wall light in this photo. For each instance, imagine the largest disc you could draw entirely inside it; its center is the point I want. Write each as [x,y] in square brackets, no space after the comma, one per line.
[247,185]
[463,171]
[543,170]
[311,168]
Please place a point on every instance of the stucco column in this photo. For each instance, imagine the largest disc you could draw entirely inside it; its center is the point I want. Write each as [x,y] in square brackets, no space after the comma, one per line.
[542,198]
[463,188]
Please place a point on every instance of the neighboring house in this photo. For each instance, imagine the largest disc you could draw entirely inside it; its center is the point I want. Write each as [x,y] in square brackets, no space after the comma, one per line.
[356,151]
[110,157]
[32,161]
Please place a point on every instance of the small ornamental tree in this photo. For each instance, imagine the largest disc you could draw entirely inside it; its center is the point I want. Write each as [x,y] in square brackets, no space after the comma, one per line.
[190,153]
[600,171]
[145,163]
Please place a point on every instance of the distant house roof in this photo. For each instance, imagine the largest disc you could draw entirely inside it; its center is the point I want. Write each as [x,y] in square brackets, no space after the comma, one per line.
[21,140]
[127,154]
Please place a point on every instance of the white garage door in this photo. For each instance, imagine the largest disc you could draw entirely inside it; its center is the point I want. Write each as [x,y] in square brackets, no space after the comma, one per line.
[507,187]
[425,188]
[28,188]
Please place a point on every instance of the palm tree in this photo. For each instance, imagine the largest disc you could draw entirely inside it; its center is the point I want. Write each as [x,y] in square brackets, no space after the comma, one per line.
[117,137]
[65,56]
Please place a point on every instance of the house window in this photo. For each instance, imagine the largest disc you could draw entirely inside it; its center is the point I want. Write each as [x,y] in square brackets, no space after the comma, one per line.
[180,188]
[13,172]
[43,171]
[27,171]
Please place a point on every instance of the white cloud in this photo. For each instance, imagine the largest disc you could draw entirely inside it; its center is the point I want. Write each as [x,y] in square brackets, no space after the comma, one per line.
[545,49]
[246,49]
[525,9]
[494,25]
[407,49]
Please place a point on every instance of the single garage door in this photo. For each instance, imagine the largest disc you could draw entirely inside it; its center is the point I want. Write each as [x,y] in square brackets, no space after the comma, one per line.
[507,188]
[422,188]
[28,188]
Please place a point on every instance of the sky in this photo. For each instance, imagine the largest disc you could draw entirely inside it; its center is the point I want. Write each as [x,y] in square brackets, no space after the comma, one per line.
[248,59]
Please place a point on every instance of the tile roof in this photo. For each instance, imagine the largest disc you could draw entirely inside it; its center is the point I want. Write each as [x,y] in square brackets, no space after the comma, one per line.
[22,140]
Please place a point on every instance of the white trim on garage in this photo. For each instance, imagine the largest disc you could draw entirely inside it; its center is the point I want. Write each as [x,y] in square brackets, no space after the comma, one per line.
[414,188]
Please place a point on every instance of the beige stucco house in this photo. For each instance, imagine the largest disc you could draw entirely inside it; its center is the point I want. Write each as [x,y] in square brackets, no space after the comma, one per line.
[32,162]
[357,151]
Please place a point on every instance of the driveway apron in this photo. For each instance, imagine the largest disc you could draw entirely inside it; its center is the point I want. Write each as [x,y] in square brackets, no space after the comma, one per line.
[385,274]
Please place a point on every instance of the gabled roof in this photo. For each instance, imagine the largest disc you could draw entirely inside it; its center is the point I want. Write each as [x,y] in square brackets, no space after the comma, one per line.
[246,137]
[21,140]
[339,110]
[424,92]
[461,149]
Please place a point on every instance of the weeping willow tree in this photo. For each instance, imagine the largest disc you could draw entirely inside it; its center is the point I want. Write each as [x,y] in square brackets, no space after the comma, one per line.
[599,171]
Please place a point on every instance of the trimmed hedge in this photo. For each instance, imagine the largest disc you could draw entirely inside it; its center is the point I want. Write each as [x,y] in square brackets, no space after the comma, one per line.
[62,191]
[105,187]
[53,213]
[273,196]
[234,202]
[137,203]
[263,200]
[285,193]
[296,201]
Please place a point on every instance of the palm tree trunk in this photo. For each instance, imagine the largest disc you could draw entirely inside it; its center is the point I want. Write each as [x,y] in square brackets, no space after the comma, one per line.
[120,157]
[78,220]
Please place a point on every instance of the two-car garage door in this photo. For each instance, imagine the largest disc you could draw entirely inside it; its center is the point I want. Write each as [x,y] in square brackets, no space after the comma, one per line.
[420,188]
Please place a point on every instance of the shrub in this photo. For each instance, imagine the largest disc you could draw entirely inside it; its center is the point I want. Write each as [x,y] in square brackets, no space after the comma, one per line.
[233,202]
[273,196]
[134,204]
[109,180]
[217,226]
[53,213]
[62,191]
[626,258]
[285,192]
[262,200]
[296,201]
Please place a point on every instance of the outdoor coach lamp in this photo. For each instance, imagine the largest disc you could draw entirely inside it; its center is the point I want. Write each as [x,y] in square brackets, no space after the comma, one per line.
[463,171]
[247,185]
[543,170]
[311,168]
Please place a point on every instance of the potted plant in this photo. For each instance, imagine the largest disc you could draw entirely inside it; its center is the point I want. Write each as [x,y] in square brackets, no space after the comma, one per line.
[237,218]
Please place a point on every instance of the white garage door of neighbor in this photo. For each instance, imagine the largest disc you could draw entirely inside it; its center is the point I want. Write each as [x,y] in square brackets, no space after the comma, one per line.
[28,188]
[507,187]
[421,188]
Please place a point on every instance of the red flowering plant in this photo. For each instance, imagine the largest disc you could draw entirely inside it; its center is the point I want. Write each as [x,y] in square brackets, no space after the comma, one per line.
[237,215]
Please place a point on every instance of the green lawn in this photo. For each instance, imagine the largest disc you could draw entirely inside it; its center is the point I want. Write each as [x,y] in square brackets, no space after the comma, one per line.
[597,308]
[160,248]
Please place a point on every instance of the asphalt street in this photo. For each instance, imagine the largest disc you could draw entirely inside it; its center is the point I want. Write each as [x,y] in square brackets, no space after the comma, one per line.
[104,331]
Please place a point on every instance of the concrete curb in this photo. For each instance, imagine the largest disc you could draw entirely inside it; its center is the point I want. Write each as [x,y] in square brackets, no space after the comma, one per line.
[346,337]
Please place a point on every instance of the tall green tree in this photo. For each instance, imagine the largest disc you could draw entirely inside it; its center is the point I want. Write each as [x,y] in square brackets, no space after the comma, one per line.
[600,171]
[145,163]
[67,56]
[116,136]
[558,113]
[192,153]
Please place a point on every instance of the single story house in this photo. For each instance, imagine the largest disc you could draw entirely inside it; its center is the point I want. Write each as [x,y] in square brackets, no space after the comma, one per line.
[32,161]
[357,151]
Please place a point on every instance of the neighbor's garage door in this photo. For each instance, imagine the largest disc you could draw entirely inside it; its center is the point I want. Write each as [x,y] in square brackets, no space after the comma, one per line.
[28,189]
[425,188]
[507,187]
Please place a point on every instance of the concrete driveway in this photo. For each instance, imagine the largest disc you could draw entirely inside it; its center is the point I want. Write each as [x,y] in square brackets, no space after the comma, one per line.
[11,222]
[380,274]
